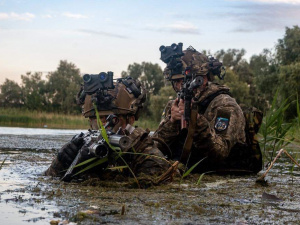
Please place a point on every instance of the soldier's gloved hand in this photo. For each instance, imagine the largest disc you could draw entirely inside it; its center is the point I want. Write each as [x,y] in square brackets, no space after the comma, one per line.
[68,152]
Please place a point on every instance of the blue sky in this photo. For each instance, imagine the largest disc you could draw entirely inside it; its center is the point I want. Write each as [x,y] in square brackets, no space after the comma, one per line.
[103,35]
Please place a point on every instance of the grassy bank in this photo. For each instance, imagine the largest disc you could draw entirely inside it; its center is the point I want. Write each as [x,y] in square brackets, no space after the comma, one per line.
[26,118]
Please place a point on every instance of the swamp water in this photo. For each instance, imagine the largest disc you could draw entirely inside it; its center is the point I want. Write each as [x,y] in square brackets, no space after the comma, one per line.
[27,197]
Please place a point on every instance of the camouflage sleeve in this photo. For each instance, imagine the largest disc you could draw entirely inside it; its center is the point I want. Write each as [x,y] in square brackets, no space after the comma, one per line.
[167,130]
[149,160]
[220,128]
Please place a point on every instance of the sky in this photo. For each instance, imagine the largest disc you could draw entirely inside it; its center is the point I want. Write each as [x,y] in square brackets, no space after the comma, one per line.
[108,35]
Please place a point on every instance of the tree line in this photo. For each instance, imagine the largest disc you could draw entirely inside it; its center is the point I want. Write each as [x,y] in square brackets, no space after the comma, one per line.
[254,82]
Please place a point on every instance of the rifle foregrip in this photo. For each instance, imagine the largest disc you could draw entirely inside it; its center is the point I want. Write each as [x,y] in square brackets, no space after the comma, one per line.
[187,110]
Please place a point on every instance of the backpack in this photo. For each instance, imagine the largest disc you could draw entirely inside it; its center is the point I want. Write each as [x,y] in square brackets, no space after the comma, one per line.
[253,119]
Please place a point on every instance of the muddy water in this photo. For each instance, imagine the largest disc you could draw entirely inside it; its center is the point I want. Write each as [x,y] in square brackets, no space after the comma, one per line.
[27,197]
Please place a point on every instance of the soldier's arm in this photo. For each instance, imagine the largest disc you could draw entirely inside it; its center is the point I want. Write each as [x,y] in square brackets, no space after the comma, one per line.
[167,130]
[65,157]
[220,128]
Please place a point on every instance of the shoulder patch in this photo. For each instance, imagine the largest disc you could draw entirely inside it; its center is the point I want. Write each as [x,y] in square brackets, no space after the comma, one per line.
[163,113]
[221,123]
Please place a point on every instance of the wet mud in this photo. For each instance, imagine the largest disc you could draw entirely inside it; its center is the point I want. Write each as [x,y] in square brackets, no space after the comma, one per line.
[27,197]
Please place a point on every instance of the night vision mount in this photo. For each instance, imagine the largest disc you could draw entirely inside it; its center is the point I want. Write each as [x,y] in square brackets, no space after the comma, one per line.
[216,67]
[98,82]
[171,56]
[97,85]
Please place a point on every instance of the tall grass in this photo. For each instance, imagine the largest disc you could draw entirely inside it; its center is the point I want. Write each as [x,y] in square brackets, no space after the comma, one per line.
[275,131]
[26,118]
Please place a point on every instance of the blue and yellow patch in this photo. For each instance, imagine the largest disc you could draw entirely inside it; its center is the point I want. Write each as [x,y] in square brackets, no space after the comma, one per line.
[164,113]
[221,123]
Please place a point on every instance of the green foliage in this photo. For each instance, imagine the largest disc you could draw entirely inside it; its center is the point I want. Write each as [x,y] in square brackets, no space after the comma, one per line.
[238,89]
[288,48]
[191,169]
[240,77]
[34,91]
[57,94]
[230,58]
[63,86]
[265,70]
[186,173]
[274,129]
[11,94]
[147,122]
[202,175]
[289,78]
[90,165]
[151,75]
[158,102]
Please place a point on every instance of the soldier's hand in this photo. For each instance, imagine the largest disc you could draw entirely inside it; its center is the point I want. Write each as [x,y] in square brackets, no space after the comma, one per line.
[177,110]
[68,152]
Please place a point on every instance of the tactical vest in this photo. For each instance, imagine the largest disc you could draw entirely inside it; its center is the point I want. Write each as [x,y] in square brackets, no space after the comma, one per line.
[251,152]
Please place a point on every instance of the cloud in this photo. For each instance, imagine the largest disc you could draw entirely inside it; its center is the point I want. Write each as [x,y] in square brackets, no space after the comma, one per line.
[184,28]
[75,16]
[102,33]
[180,27]
[263,17]
[16,16]
[48,16]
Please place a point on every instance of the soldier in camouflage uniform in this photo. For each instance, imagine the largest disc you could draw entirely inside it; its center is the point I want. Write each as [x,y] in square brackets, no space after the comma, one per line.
[128,97]
[218,136]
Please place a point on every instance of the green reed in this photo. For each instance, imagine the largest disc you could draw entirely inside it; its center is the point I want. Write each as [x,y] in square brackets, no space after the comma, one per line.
[275,131]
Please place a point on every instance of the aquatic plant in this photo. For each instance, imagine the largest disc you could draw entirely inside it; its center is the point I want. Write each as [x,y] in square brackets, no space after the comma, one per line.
[186,173]
[277,134]
[275,131]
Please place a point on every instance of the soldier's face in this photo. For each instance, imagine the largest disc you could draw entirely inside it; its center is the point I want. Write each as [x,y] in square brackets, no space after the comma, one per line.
[177,84]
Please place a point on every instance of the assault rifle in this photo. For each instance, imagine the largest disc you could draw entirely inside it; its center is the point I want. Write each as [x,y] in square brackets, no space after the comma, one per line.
[97,145]
[190,83]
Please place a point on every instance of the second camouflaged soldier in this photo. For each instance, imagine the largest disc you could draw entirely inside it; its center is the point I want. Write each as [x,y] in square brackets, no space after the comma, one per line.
[217,134]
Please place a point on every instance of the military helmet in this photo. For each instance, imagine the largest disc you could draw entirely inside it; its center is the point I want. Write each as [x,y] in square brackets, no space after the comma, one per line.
[198,63]
[126,98]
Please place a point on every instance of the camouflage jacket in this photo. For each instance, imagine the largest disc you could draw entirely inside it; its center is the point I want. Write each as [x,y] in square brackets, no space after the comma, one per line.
[139,163]
[219,127]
